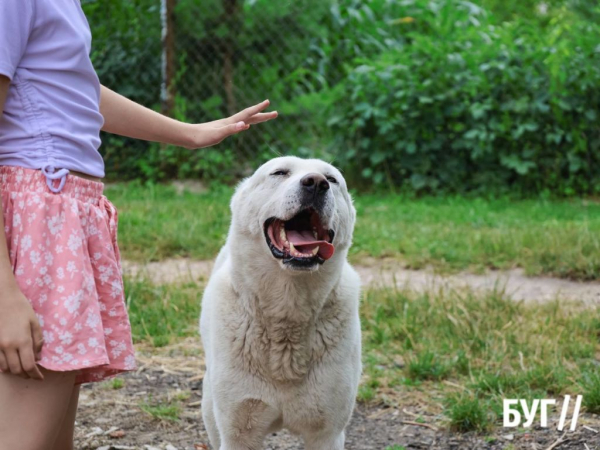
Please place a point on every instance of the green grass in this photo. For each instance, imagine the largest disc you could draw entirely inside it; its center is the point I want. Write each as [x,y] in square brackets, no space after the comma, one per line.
[161,313]
[162,411]
[116,383]
[544,237]
[468,413]
[365,393]
[463,350]
[155,222]
[427,366]
[561,238]
[113,384]
[591,391]
[488,347]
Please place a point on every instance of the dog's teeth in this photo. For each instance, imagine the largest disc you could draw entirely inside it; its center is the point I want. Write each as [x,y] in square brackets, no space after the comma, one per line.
[315,251]
[282,235]
[292,249]
[315,234]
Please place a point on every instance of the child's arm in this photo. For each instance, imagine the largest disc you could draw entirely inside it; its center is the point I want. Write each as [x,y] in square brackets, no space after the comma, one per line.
[127,118]
[20,335]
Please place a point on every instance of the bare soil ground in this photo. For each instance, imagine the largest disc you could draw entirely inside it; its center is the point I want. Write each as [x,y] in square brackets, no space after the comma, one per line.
[112,418]
[389,273]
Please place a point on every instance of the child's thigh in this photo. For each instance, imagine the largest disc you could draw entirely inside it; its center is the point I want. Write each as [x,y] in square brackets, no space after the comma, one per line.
[32,412]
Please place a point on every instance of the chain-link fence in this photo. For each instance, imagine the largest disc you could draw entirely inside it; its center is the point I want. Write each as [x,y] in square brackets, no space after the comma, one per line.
[199,60]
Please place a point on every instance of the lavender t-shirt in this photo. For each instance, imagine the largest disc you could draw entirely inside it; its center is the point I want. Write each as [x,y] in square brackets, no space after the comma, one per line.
[52,117]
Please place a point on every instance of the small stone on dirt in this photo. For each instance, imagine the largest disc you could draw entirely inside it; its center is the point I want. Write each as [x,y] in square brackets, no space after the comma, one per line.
[117,434]
[95,432]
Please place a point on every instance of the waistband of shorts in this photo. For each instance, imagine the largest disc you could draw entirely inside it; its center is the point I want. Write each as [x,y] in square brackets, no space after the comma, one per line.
[20,179]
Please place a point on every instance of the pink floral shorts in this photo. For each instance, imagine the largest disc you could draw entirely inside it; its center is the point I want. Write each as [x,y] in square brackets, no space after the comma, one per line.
[63,250]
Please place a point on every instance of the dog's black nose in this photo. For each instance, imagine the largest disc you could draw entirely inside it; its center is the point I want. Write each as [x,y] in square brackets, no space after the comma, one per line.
[314,183]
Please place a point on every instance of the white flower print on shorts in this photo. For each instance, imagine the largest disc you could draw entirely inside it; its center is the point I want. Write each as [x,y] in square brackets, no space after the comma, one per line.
[64,253]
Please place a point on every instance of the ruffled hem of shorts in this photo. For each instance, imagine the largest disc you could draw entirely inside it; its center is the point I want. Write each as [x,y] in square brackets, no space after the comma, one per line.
[93,372]
[106,375]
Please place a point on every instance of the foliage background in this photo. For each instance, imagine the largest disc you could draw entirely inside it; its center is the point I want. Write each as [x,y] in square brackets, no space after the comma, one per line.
[430,96]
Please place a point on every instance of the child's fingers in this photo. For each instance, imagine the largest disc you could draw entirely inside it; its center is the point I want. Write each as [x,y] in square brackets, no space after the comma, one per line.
[262,117]
[216,135]
[28,364]
[234,128]
[252,110]
[3,363]
[14,363]
[38,339]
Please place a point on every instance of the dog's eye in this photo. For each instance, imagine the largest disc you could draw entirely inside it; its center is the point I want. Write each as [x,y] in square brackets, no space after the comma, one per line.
[332,180]
[280,173]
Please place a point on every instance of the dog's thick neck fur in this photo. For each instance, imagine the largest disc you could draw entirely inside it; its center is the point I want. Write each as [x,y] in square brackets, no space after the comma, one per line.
[283,308]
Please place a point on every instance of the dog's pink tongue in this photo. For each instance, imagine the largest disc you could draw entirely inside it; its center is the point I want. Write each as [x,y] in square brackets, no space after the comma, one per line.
[305,242]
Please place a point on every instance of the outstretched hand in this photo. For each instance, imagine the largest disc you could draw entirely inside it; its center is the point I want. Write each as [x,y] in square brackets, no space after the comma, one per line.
[211,133]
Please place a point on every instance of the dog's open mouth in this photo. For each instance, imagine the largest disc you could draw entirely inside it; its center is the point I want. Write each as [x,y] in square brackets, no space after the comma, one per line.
[302,239]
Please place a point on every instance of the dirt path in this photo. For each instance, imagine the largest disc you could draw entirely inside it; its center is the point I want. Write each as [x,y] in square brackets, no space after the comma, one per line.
[112,418]
[389,273]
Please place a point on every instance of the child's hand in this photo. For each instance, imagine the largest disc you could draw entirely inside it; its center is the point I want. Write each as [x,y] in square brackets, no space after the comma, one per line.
[21,338]
[211,133]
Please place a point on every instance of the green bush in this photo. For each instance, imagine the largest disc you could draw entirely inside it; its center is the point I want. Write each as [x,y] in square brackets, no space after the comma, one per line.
[470,106]
[430,95]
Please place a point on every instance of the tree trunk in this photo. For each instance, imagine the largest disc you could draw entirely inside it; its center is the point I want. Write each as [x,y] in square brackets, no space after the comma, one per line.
[231,19]
[167,94]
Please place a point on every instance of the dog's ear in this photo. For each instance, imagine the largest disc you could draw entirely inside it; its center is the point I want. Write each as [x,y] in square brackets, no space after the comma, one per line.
[351,208]
[348,230]
[239,195]
[245,213]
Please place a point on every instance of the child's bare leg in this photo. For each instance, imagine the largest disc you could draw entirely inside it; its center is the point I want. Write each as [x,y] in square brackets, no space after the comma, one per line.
[31,411]
[64,440]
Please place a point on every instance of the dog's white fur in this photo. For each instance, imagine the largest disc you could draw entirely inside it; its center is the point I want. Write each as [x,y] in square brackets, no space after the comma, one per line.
[282,346]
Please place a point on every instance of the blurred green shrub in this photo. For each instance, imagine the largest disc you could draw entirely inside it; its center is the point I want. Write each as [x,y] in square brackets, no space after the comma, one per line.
[426,95]
[466,105]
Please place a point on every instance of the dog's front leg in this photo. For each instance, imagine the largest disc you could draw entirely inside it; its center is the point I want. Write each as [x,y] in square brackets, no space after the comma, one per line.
[246,424]
[334,441]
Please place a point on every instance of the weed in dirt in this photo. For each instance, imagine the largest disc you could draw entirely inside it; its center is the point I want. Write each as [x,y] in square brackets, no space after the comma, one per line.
[181,396]
[449,233]
[162,411]
[427,366]
[591,390]
[396,447]
[467,413]
[116,383]
[365,393]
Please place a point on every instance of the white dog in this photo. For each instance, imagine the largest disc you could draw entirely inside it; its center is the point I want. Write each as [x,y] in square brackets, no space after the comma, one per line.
[280,324]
